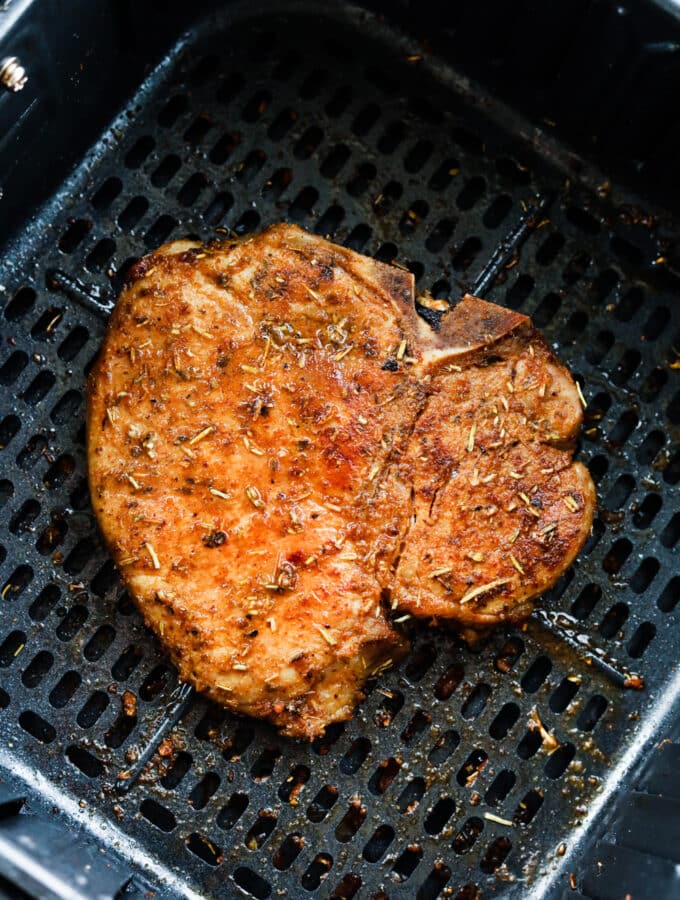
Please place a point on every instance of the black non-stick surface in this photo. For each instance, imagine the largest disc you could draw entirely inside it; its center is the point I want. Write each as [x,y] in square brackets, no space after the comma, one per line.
[333,124]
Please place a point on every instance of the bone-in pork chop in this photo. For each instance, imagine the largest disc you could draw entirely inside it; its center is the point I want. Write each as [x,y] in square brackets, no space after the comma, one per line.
[280,451]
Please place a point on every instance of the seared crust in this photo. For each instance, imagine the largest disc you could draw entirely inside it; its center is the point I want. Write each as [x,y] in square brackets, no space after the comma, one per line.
[277,444]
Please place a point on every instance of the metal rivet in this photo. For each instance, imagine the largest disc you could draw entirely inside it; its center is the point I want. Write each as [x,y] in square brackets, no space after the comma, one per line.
[12,74]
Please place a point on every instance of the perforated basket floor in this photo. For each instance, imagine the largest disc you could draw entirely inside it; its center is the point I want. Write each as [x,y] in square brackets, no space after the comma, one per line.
[440,785]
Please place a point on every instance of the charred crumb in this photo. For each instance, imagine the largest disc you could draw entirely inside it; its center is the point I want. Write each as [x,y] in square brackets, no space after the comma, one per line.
[214,539]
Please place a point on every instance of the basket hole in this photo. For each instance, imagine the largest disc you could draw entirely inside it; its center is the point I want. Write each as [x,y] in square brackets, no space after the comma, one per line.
[330,221]
[598,467]
[476,701]
[17,582]
[671,533]
[559,760]
[13,367]
[260,830]
[529,745]
[498,211]
[225,147]
[393,135]
[355,757]
[504,721]
[73,343]
[471,193]
[11,647]
[512,170]
[592,712]
[466,254]
[444,175]
[275,186]
[576,268]
[536,674]
[508,655]
[473,766]
[72,622]
[24,517]
[107,193]
[247,223]
[582,219]
[448,682]
[365,119]
[230,87]
[44,603]
[127,662]
[190,191]
[501,786]
[139,152]
[66,409]
[641,639]
[629,304]
[20,304]
[351,822]
[218,207]
[158,815]
[444,747]
[32,453]
[317,871]
[418,724]
[250,166]
[6,491]
[105,579]
[120,731]
[407,863]
[79,556]
[203,790]
[519,291]
[574,326]
[229,815]
[673,409]
[322,804]
[644,574]
[288,852]
[292,787]
[645,514]
[410,797]
[418,155]
[166,170]
[620,492]
[257,106]
[550,249]
[564,694]
[64,689]
[264,765]
[656,324]
[495,855]
[334,161]
[617,555]
[625,367]
[238,743]
[159,232]
[419,662]
[156,682]
[39,388]
[671,474]
[92,709]
[389,706]
[599,347]
[198,129]
[99,643]
[546,310]
[204,849]
[410,220]
[384,775]
[527,807]
[36,670]
[132,213]
[100,255]
[84,761]
[378,843]
[37,727]
[74,235]
[339,101]
[652,444]
[440,814]
[308,143]
[172,110]
[358,237]
[440,234]
[52,536]
[387,198]
[614,620]
[468,835]
[282,124]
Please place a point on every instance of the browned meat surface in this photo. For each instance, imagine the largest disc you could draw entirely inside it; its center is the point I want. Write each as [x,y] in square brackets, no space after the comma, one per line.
[280,451]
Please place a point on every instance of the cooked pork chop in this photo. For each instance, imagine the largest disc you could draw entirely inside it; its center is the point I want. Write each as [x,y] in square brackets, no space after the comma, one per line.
[280,451]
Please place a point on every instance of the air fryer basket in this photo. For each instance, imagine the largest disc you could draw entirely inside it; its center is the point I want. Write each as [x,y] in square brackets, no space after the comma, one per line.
[465,770]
